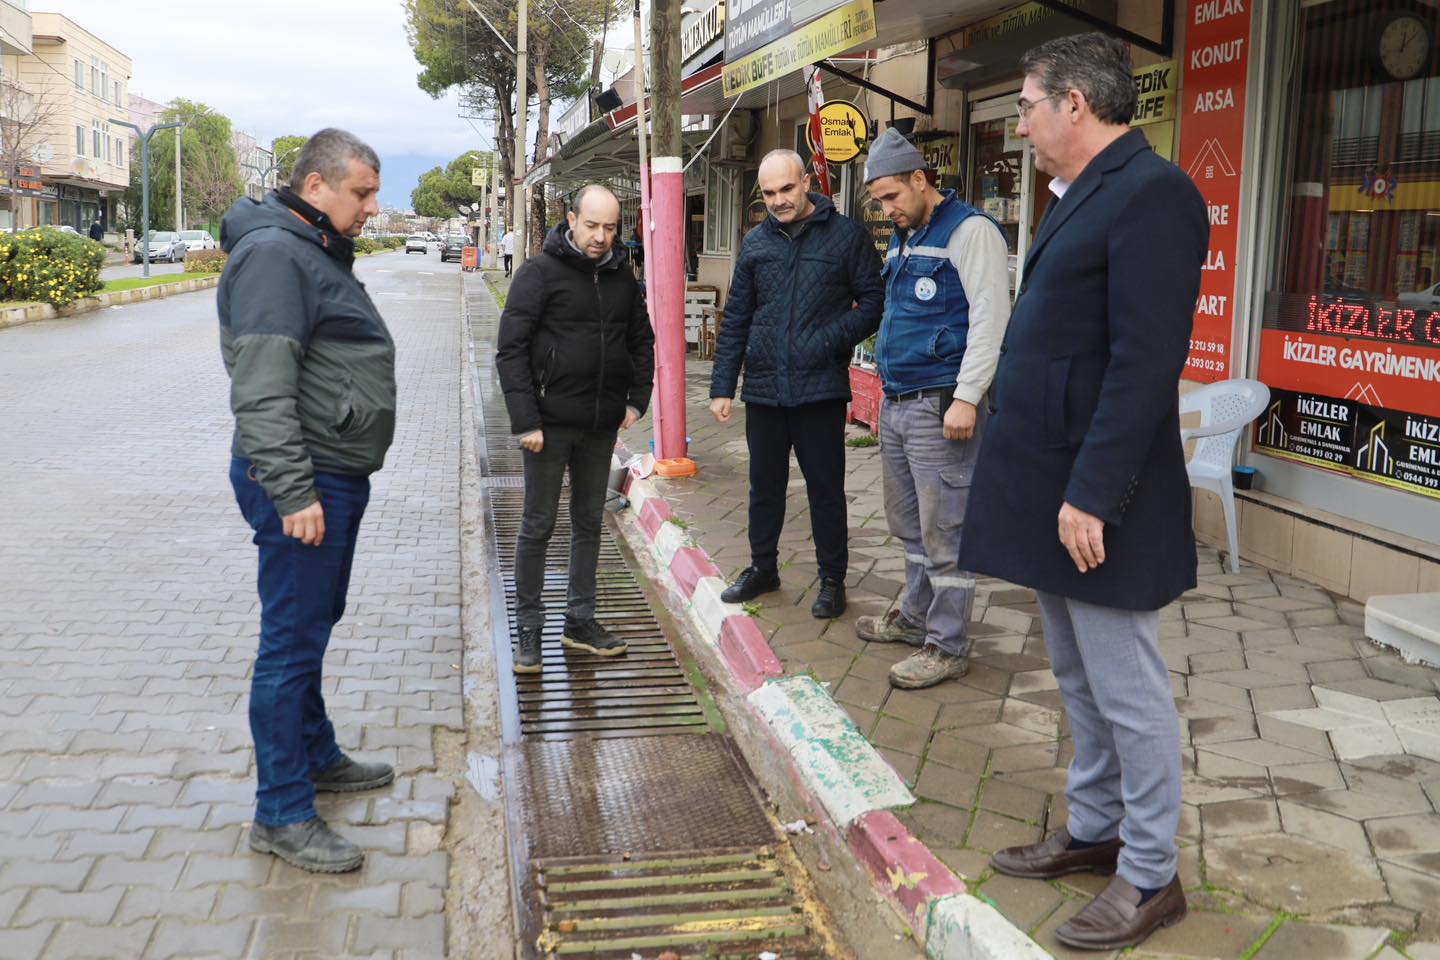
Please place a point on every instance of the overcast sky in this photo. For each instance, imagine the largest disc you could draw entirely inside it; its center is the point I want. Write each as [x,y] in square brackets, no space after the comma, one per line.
[278,67]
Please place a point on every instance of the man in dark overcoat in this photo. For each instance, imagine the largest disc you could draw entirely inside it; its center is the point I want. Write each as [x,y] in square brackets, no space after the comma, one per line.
[1080,490]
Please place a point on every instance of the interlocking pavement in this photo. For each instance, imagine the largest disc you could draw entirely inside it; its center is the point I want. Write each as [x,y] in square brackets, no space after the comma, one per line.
[1309,828]
[128,623]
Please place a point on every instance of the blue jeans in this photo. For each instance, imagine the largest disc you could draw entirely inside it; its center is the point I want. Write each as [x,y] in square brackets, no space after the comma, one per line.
[302,596]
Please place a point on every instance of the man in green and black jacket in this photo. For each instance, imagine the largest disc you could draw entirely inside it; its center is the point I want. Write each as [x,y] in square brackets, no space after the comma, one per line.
[312,370]
[576,359]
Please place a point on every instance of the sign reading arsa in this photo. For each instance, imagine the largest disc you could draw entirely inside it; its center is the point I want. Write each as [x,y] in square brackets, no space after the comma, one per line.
[845,130]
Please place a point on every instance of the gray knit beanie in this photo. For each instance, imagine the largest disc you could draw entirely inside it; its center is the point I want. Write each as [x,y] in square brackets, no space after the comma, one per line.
[892,154]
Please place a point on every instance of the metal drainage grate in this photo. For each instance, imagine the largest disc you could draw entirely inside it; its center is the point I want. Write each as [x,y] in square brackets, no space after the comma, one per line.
[643,693]
[509,506]
[718,905]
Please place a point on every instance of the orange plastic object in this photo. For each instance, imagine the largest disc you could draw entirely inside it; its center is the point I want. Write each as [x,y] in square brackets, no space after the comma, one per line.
[470,259]
[677,467]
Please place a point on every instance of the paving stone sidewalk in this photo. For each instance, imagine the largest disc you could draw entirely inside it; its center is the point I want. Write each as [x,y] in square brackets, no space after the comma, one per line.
[128,623]
[1309,828]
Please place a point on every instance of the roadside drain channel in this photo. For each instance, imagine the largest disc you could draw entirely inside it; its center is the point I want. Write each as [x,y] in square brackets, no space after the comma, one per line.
[635,826]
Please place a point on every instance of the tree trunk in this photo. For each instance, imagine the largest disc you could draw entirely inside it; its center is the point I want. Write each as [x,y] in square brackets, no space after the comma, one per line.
[538,58]
[505,146]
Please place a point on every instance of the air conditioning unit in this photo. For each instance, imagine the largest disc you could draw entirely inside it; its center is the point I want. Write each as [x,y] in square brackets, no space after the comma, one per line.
[736,143]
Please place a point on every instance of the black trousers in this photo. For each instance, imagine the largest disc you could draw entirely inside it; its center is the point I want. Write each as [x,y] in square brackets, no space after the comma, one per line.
[816,432]
[587,454]
[509,258]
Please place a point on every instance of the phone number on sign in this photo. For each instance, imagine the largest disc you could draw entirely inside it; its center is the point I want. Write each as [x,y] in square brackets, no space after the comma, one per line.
[1202,363]
[1206,346]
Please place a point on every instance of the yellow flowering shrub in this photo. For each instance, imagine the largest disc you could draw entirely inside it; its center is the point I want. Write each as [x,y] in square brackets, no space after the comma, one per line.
[49,266]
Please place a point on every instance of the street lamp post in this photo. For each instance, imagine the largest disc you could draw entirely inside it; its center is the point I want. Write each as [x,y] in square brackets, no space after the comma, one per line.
[145,136]
[279,162]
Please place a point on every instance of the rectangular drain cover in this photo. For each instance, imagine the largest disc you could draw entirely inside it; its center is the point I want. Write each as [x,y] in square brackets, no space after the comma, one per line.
[733,904]
[602,797]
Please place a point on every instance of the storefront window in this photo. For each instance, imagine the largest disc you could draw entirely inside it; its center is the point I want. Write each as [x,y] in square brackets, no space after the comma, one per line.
[1350,345]
[720,204]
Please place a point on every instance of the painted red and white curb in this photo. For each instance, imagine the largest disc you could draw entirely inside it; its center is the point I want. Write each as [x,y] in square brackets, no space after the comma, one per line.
[828,758]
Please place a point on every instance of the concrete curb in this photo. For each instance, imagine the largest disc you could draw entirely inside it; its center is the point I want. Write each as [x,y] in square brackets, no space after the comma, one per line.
[829,760]
[32,313]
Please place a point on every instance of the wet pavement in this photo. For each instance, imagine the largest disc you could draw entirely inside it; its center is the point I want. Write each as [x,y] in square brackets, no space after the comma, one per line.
[1309,828]
[128,623]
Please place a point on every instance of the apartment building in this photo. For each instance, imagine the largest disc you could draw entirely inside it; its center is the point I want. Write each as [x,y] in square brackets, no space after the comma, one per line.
[255,162]
[79,83]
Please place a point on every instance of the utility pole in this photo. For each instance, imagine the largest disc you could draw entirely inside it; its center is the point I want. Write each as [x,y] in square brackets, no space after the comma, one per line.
[145,136]
[179,208]
[519,208]
[667,260]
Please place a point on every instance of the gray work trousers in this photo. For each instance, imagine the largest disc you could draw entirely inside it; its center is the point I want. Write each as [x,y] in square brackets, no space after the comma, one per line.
[927,485]
[1125,777]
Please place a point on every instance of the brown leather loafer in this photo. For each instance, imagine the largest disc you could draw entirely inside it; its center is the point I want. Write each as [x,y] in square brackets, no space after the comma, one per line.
[1116,919]
[1050,858]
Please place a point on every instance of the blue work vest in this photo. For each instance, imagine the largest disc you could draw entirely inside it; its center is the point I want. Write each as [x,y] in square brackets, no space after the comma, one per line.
[927,315]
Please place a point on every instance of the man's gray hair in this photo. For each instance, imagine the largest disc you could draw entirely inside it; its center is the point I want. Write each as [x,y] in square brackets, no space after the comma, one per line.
[794,158]
[1096,64]
[329,153]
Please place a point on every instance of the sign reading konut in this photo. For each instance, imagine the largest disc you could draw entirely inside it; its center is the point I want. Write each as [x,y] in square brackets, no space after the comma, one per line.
[768,40]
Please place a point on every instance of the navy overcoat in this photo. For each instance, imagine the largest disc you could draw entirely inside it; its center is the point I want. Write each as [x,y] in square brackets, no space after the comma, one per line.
[1084,406]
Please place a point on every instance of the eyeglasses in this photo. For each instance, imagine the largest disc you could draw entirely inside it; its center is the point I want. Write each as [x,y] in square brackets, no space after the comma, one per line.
[1023,107]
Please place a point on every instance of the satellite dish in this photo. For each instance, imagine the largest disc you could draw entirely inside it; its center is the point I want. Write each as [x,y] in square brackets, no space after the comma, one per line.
[43,153]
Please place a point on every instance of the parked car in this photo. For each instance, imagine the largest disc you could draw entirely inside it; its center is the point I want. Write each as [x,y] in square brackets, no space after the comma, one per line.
[454,249]
[66,228]
[1427,298]
[165,245]
[416,242]
[198,240]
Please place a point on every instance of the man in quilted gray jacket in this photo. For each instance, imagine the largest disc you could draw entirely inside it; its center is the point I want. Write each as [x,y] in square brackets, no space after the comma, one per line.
[806,290]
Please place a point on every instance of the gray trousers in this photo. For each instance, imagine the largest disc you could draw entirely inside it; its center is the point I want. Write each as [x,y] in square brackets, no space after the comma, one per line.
[1125,777]
[927,484]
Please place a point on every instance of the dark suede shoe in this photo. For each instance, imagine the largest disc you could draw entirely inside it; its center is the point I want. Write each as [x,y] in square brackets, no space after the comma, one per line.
[311,845]
[347,776]
[830,603]
[1117,919]
[1051,858]
[527,650]
[589,636]
[750,584]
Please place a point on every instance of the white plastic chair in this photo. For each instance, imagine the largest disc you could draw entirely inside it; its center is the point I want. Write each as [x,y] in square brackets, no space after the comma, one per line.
[1225,407]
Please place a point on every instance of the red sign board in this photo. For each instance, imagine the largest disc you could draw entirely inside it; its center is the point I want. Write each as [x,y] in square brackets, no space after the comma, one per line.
[1212,142]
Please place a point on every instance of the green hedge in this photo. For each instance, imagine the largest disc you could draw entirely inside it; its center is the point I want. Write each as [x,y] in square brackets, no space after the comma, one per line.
[364,245]
[48,266]
[205,261]
[393,243]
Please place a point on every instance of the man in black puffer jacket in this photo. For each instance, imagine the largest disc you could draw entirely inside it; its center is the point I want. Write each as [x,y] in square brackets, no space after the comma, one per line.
[806,290]
[576,360]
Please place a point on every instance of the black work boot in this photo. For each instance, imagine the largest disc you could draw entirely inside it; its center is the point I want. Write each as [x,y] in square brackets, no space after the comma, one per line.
[347,776]
[589,636]
[831,601]
[750,584]
[311,845]
[527,651]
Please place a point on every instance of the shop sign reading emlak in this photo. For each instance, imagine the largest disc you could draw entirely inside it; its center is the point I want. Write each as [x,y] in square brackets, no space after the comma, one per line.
[1212,142]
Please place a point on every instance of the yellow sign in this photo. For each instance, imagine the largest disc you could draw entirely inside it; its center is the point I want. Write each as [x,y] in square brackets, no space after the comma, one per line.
[844,130]
[1155,88]
[835,32]
[942,154]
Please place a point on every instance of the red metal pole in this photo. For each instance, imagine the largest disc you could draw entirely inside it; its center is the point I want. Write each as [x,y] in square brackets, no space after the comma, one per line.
[665,263]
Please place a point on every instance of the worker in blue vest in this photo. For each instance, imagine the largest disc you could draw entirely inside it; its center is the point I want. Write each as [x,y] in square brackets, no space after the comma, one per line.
[947,300]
